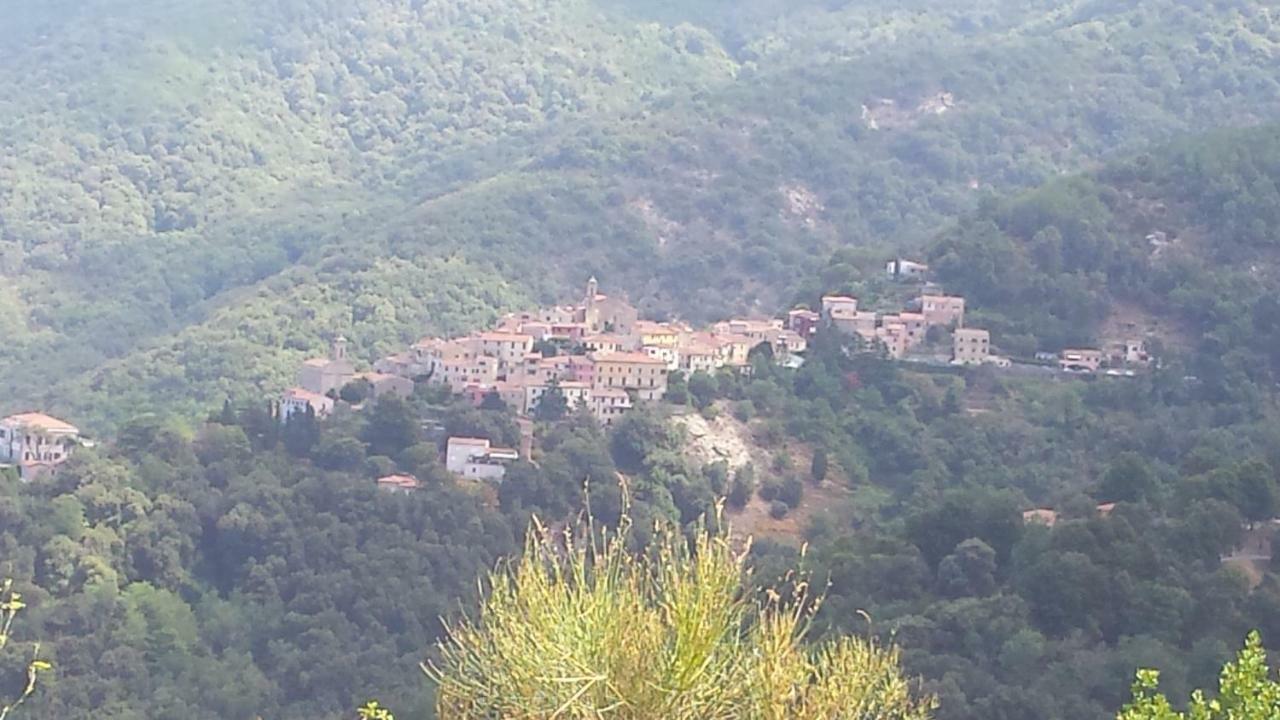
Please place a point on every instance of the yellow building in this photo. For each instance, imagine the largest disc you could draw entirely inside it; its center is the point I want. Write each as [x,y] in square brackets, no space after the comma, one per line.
[652,334]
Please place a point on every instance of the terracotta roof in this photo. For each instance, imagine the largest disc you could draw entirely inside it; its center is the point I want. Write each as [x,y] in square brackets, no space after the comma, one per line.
[504,337]
[40,421]
[634,358]
[647,327]
[839,298]
[405,482]
[297,393]
[1045,516]
[475,442]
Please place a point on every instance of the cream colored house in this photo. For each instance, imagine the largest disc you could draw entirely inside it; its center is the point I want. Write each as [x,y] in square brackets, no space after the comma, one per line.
[36,443]
[635,372]
[970,346]
[609,405]
[387,384]
[945,310]
[506,347]
[1081,360]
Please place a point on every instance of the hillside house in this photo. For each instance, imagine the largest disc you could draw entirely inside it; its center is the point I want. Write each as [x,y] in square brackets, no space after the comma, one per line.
[790,342]
[970,346]
[327,375]
[1132,351]
[635,372]
[398,484]
[298,400]
[652,334]
[842,305]
[607,343]
[701,356]
[668,355]
[576,395]
[381,384]
[913,325]
[36,443]
[1080,360]
[893,336]
[862,324]
[401,365]
[803,321]
[944,310]
[609,405]
[900,269]
[506,347]
[475,458]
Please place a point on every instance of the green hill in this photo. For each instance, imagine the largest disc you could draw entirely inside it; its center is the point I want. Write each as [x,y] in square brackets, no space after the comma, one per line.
[172,173]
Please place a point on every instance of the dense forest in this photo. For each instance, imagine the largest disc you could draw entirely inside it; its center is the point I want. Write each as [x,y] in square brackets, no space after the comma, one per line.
[196,194]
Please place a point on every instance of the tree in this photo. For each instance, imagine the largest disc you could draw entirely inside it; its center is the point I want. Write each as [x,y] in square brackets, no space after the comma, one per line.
[301,432]
[1246,691]
[356,391]
[552,406]
[1128,479]
[671,622]
[493,401]
[393,426]
[970,570]
[1256,490]
[704,388]
[818,468]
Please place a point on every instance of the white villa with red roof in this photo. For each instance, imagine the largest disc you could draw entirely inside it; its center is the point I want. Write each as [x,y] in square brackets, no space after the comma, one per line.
[36,442]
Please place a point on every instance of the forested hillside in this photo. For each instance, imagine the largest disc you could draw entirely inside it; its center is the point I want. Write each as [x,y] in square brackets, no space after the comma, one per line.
[1153,544]
[180,178]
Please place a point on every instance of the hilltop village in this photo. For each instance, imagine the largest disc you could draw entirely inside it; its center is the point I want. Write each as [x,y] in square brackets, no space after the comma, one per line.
[597,355]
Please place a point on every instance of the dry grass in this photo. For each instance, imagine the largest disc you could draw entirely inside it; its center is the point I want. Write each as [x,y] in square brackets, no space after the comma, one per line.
[588,630]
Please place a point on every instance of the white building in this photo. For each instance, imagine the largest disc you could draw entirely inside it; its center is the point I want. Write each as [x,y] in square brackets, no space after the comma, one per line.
[297,400]
[36,442]
[475,458]
[906,270]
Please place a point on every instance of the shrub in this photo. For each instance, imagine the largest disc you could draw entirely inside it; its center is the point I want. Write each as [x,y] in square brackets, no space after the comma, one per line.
[778,509]
[791,491]
[579,630]
[770,489]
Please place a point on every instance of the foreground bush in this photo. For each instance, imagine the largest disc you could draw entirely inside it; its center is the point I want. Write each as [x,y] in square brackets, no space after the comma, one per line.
[1245,692]
[589,630]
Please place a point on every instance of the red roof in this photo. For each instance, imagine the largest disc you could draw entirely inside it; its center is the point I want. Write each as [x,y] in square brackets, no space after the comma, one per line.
[297,393]
[404,482]
[40,421]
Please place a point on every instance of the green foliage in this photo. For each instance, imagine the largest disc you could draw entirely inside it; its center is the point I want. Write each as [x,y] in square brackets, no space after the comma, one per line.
[577,627]
[243,192]
[1246,690]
